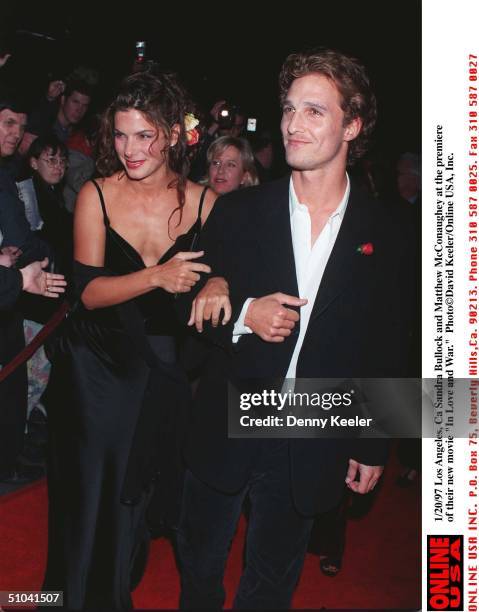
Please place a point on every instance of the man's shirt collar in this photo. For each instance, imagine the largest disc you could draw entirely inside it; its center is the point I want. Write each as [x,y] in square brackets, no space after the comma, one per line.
[296,206]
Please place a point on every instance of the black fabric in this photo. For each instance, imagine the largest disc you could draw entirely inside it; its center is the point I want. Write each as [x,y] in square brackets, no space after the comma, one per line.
[115,412]
[10,286]
[57,229]
[13,391]
[359,327]
[276,539]
[57,233]
[13,223]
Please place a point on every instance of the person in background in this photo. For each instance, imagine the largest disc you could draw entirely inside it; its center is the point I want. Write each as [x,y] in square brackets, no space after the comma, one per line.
[264,155]
[408,178]
[81,160]
[226,120]
[230,165]
[48,161]
[19,247]
[63,108]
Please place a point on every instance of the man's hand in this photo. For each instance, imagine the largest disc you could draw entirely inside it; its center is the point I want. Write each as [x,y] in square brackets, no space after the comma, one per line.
[4,59]
[214,112]
[270,319]
[5,260]
[368,476]
[55,89]
[9,256]
[210,301]
[36,280]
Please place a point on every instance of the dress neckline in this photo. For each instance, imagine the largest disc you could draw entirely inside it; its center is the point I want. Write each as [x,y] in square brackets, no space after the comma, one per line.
[137,254]
[195,228]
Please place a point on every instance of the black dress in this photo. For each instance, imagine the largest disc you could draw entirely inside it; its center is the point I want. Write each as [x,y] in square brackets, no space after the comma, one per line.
[115,411]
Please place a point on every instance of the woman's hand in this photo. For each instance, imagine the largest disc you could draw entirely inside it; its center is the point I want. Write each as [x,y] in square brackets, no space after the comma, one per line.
[36,280]
[179,274]
[210,301]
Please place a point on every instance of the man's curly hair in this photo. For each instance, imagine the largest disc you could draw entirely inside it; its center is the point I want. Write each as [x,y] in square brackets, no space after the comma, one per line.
[349,76]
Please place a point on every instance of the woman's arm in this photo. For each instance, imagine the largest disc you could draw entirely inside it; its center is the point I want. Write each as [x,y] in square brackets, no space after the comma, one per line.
[177,275]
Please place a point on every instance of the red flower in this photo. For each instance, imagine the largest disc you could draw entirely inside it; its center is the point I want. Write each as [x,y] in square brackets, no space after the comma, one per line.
[192,137]
[366,249]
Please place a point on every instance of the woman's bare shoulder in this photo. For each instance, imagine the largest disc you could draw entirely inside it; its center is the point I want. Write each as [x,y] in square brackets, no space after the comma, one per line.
[113,184]
[87,195]
[111,187]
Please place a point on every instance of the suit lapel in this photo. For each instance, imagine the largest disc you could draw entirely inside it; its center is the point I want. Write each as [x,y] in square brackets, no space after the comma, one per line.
[356,229]
[274,238]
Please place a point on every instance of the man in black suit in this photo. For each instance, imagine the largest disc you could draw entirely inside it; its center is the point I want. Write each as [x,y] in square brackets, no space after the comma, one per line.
[313,267]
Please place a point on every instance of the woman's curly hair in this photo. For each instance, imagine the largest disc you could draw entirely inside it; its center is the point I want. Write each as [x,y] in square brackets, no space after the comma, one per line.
[162,99]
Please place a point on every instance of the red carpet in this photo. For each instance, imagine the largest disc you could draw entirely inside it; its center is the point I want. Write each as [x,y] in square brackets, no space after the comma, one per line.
[381,566]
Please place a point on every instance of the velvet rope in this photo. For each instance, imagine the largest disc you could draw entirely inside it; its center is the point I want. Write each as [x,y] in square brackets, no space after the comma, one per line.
[36,343]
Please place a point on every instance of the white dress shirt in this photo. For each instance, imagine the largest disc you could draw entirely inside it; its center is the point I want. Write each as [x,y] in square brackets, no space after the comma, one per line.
[310,262]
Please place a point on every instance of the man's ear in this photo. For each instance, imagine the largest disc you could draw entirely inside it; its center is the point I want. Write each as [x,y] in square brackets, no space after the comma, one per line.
[34,163]
[353,128]
[174,134]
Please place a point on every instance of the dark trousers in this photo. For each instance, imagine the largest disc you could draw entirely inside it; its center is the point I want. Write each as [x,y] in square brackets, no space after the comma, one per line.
[329,532]
[276,540]
[13,393]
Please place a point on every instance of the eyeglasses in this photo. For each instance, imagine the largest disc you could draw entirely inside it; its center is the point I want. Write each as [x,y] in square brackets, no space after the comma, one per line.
[226,165]
[53,162]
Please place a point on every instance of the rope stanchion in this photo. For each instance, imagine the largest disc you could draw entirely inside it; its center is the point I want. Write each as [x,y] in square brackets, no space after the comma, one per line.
[35,344]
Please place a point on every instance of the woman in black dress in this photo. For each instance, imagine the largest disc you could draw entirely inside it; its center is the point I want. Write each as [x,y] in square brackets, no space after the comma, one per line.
[119,389]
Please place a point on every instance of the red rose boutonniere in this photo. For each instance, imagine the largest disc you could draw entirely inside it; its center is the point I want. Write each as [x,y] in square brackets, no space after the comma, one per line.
[366,248]
[192,132]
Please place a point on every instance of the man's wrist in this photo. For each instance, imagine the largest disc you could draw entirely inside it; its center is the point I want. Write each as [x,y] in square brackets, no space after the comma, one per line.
[23,275]
[247,314]
[240,328]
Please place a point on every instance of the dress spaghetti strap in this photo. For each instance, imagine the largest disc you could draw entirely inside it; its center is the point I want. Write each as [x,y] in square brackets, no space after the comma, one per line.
[195,230]
[106,220]
[202,199]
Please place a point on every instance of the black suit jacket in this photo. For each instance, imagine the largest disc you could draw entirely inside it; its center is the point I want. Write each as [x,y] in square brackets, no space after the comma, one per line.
[359,327]
[10,287]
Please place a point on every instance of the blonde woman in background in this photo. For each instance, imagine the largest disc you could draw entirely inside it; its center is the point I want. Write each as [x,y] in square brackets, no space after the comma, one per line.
[230,165]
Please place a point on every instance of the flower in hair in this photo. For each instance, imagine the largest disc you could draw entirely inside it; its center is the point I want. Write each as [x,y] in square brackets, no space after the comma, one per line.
[192,133]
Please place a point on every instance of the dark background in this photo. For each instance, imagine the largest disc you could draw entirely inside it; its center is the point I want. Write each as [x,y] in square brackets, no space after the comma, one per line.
[228,50]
